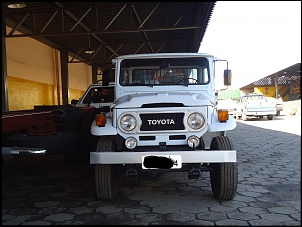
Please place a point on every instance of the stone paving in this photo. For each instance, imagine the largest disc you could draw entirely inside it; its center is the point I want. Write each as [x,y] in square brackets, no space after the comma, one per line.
[44,191]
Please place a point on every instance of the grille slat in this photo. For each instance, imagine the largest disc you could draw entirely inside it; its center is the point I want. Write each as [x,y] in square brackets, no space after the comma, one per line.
[162,122]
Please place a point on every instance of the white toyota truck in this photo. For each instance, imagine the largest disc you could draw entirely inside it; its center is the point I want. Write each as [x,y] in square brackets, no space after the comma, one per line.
[164,118]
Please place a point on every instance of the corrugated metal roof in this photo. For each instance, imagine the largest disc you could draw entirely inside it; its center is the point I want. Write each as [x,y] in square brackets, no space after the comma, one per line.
[283,77]
[111,28]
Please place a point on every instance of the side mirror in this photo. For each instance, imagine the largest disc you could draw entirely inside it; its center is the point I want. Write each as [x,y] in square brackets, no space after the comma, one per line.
[106,77]
[227,77]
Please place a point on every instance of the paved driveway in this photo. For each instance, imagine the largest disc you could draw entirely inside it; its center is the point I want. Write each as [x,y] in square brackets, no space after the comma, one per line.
[43,191]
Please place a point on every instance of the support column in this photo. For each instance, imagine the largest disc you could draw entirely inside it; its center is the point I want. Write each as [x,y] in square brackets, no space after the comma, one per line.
[4,69]
[276,84]
[94,73]
[64,76]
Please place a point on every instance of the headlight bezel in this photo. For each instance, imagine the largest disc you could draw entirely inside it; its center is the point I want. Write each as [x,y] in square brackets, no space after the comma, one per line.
[196,116]
[124,126]
[132,142]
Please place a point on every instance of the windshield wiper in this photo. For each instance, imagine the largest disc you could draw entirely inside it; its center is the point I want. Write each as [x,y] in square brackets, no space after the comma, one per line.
[140,84]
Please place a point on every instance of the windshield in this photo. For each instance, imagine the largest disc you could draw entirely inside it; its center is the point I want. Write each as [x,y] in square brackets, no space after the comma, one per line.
[167,71]
[99,95]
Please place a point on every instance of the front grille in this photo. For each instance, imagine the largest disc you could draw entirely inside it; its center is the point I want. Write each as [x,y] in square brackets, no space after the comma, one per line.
[144,138]
[162,122]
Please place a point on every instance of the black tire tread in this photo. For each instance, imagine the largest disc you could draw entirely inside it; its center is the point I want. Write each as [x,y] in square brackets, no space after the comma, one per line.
[88,142]
[224,177]
[105,177]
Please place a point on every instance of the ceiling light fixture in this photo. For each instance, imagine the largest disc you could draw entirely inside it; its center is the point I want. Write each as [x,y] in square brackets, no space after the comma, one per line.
[89,50]
[16,5]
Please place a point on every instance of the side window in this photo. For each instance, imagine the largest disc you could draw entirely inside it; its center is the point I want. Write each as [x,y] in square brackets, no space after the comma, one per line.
[124,78]
[193,74]
[88,96]
[205,75]
[108,94]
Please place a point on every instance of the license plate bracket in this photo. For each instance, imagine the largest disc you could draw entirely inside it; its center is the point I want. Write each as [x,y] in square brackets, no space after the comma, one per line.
[161,162]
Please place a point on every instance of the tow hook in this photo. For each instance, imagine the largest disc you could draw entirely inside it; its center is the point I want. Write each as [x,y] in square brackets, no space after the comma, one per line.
[131,172]
[194,173]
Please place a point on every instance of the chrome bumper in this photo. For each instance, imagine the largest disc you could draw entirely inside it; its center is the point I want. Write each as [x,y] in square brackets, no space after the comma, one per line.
[201,156]
[260,113]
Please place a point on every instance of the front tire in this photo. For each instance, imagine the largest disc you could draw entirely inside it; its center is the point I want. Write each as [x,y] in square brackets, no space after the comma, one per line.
[224,176]
[88,142]
[105,174]
[270,117]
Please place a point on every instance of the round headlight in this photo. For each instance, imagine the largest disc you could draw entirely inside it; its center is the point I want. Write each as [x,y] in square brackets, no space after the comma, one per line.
[196,121]
[128,122]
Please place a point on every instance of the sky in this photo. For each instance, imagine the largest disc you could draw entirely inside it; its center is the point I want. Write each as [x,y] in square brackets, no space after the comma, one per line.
[257,38]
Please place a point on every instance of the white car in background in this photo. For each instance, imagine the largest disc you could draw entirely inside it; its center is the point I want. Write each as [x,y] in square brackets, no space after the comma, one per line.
[255,105]
[278,103]
[97,95]
[228,104]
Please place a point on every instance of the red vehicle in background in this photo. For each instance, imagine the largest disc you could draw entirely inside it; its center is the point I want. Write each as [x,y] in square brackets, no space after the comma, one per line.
[56,129]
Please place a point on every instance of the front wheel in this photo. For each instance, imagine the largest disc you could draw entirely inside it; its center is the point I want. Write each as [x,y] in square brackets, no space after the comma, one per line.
[270,117]
[224,176]
[105,174]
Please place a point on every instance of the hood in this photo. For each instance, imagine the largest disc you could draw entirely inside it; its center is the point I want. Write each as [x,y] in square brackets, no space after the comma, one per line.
[137,100]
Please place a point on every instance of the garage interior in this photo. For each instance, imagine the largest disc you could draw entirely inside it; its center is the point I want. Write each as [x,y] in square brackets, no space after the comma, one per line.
[95,32]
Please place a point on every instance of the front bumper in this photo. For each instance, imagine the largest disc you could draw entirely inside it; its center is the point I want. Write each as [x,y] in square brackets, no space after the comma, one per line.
[279,108]
[198,156]
[260,113]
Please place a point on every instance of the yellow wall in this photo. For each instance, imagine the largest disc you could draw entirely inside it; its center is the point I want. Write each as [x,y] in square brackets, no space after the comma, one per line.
[34,76]
[267,91]
[36,94]
[75,94]
[270,92]
[24,94]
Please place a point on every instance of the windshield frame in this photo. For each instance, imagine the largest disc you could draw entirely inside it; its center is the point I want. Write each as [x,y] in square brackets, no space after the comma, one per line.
[164,72]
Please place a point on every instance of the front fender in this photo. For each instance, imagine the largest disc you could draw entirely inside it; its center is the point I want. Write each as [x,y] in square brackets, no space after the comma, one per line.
[222,126]
[103,131]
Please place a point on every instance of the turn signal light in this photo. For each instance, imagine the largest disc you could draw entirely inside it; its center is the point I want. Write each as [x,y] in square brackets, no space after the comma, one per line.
[223,115]
[100,120]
